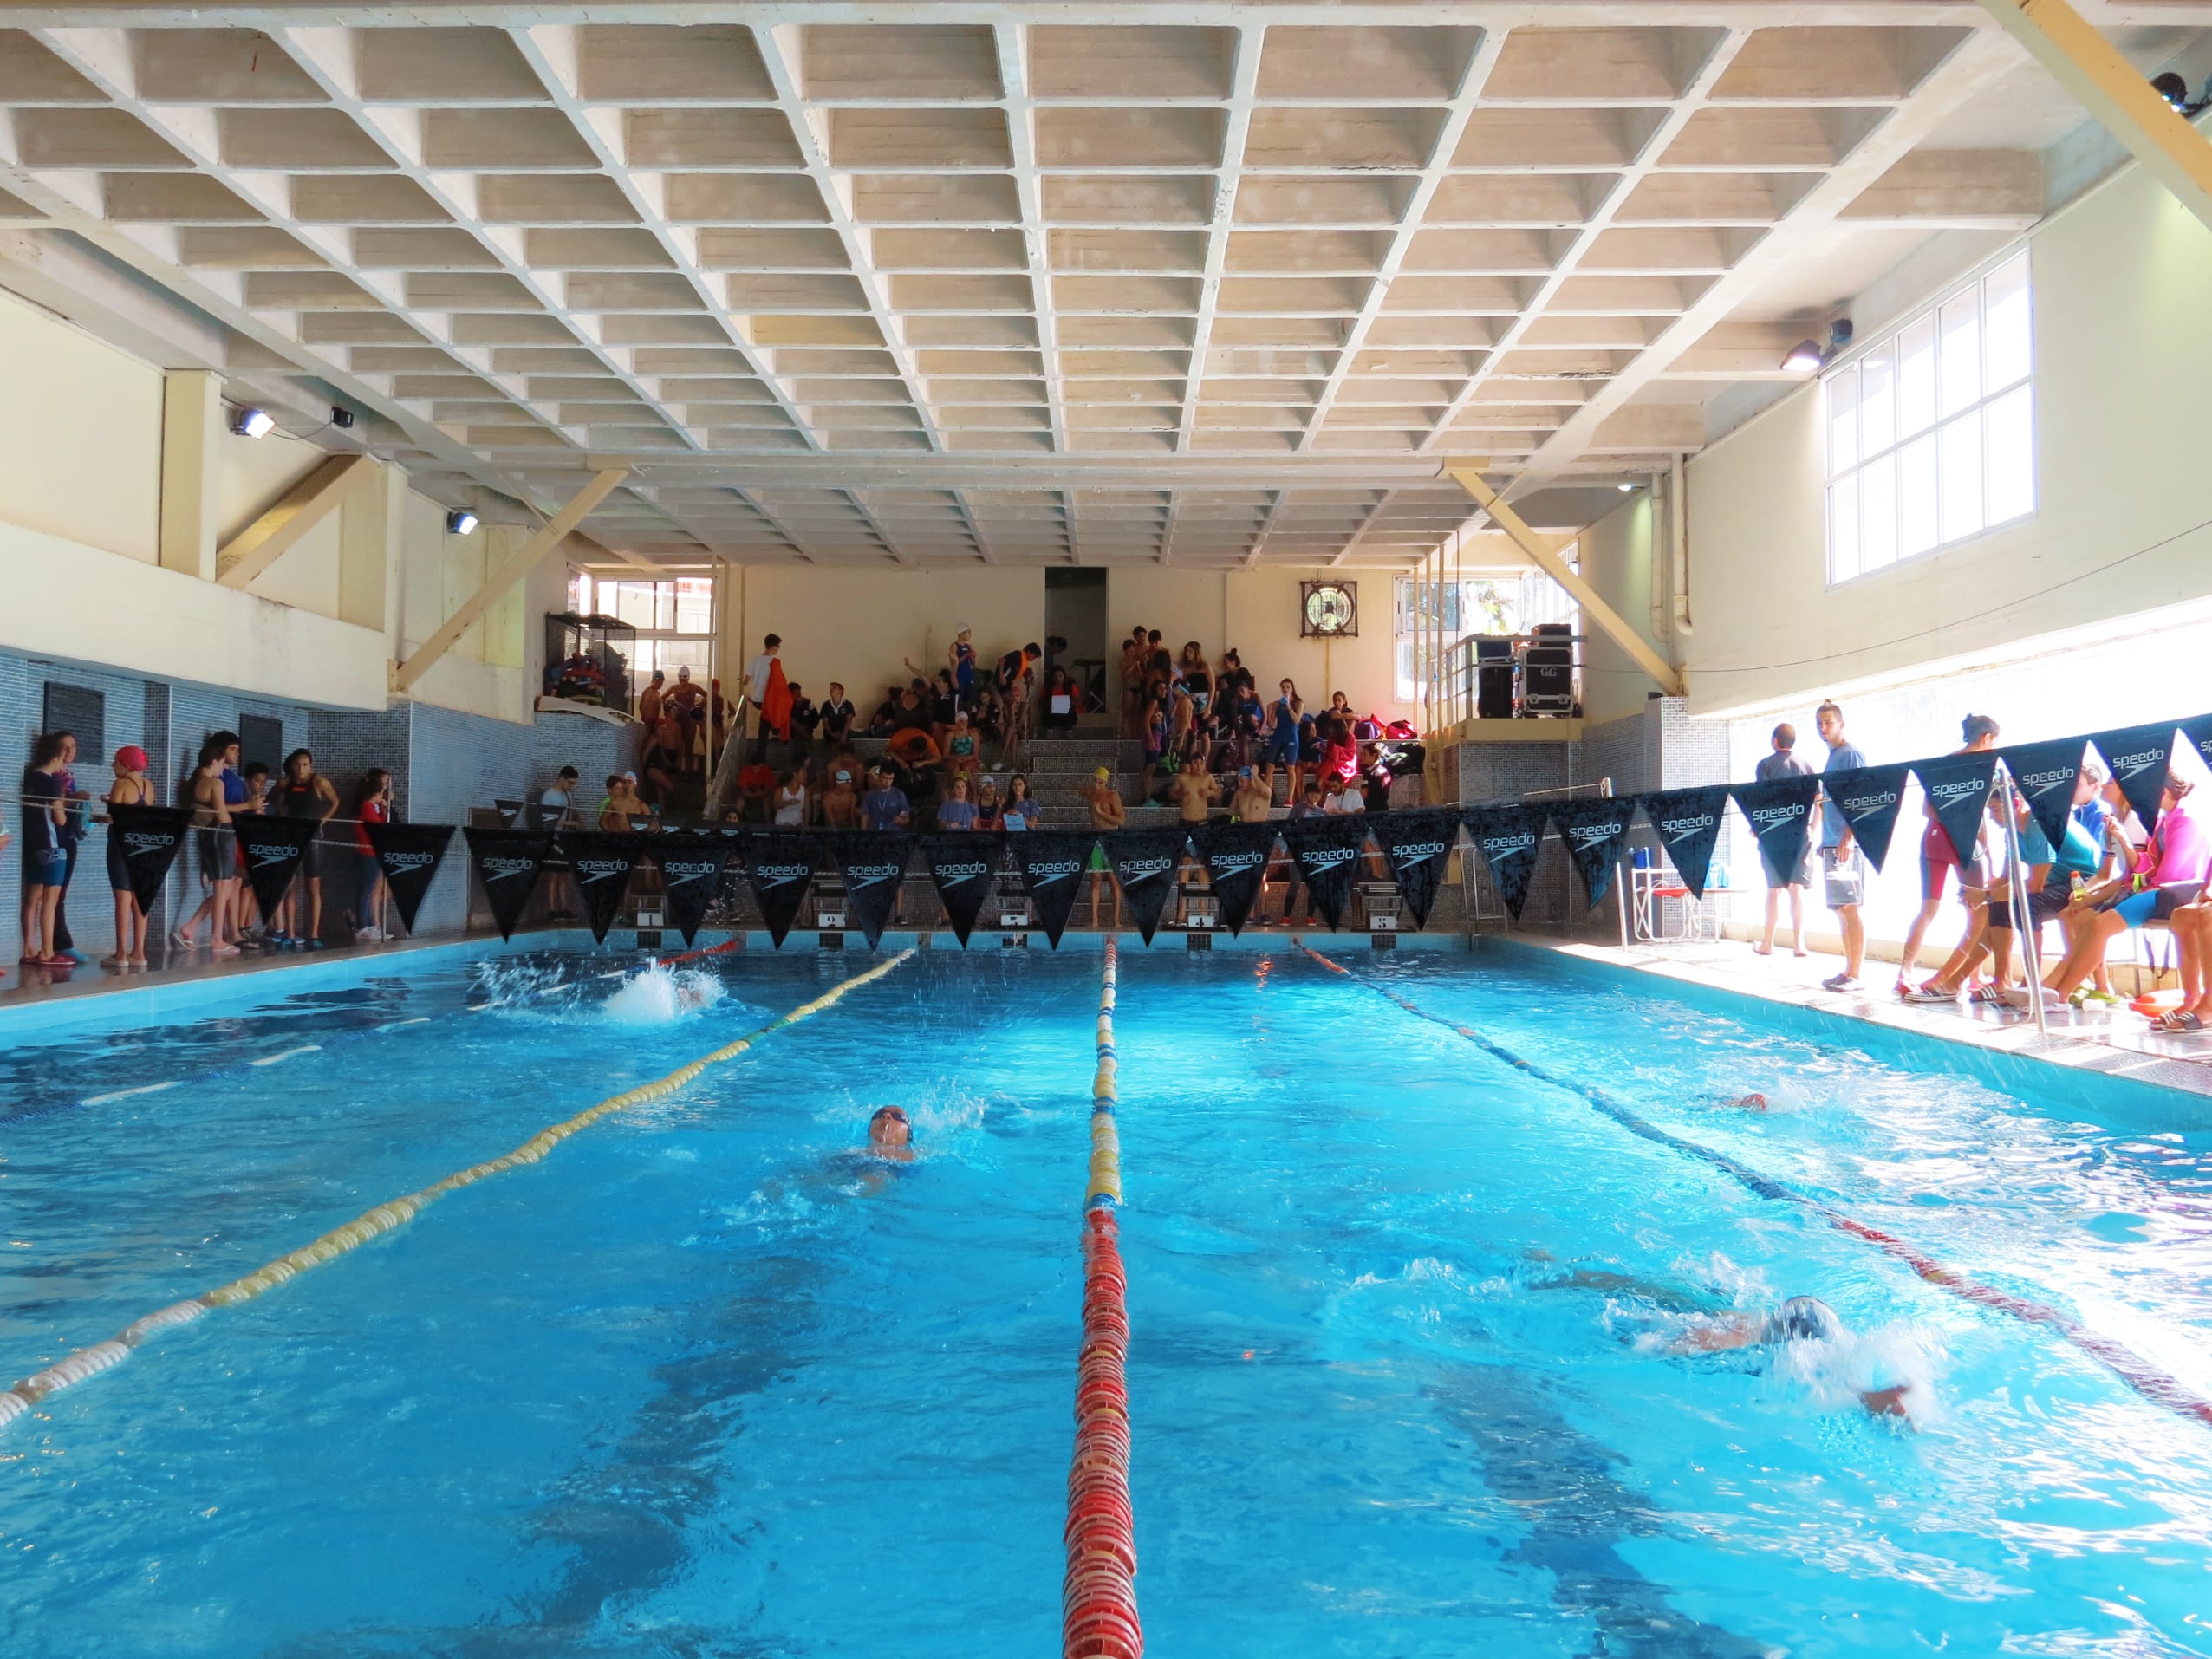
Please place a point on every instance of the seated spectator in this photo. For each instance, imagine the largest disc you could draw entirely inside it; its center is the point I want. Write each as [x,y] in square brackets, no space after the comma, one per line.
[885,806]
[1021,810]
[2166,874]
[957,810]
[836,713]
[884,721]
[1938,859]
[1343,797]
[1310,802]
[1194,791]
[658,783]
[914,748]
[963,749]
[990,812]
[805,718]
[1059,712]
[792,800]
[757,784]
[988,715]
[840,803]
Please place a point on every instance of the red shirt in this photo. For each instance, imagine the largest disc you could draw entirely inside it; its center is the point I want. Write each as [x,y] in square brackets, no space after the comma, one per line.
[371,812]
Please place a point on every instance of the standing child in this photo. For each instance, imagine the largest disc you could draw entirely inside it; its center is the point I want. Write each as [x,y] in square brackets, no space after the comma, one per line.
[129,789]
[372,805]
[45,856]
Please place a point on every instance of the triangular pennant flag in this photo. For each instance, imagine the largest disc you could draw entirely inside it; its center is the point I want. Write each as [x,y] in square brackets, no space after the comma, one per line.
[2043,775]
[150,837]
[1052,863]
[1868,797]
[507,862]
[874,863]
[1958,794]
[691,866]
[1508,838]
[1326,852]
[1145,861]
[1594,832]
[1414,845]
[273,848]
[962,863]
[1781,813]
[1235,856]
[2138,756]
[602,860]
[409,855]
[780,866]
[1687,822]
[2196,733]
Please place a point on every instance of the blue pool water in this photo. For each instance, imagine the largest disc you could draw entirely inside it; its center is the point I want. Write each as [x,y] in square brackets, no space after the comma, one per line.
[704,1383]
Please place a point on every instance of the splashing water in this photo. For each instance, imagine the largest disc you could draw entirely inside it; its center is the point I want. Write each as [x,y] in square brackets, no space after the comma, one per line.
[536,985]
[658,997]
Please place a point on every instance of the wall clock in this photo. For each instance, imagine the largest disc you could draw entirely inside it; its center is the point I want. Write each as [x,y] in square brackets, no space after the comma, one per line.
[1329,610]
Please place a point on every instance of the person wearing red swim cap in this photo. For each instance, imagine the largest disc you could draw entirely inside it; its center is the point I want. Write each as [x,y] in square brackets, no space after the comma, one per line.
[129,789]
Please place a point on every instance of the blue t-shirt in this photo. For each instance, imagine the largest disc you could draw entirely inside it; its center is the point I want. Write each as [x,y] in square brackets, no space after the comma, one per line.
[881,809]
[1842,758]
[1022,814]
[234,788]
[956,815]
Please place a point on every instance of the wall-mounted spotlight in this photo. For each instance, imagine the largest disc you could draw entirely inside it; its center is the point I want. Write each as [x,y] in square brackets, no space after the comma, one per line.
[252,423]
[460,523]
[1807,355]
[1625,489]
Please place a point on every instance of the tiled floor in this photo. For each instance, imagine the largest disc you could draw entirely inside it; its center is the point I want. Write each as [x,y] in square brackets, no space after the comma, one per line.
[2118,1043]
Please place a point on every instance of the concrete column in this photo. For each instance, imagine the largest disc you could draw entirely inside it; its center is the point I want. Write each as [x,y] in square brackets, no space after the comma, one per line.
[191,428]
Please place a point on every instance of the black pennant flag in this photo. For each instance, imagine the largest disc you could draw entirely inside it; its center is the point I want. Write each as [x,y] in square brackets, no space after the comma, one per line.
[1687,822]
[962,863]
[2043,775]
[1781,813]
[2138,756]
[1958,791]
[1052,863]
[1235,856]
[874,863]
[603,860]
[1868,797]
[507,862]
[1145,861]
[1327,852]
[409,855]
[691,866]
[781,868]
[2196,733]
[274,849]
[1594,831]
[1508,838]
[1414,845]
[150,837]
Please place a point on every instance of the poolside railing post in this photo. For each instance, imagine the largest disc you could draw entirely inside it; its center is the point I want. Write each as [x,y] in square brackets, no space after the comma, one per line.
[2026,928]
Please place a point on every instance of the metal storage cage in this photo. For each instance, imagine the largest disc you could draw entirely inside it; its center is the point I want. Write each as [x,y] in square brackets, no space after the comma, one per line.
[587,658]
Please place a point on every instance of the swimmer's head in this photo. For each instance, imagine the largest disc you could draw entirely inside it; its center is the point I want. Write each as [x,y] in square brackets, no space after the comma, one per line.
[1804,1318]
[1753,1103]
[889,1128]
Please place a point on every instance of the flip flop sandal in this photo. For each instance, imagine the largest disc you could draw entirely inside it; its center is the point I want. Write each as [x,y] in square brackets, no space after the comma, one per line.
[2180,1021]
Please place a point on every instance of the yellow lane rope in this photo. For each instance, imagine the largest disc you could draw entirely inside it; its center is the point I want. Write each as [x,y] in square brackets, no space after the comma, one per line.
[396,1212]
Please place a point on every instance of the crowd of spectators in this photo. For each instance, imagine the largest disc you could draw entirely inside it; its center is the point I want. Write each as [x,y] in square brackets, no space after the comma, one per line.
[2107,874]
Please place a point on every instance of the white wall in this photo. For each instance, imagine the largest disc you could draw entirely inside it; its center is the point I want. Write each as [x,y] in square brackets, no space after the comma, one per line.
[1617,554]
[80,436]
[2123,351]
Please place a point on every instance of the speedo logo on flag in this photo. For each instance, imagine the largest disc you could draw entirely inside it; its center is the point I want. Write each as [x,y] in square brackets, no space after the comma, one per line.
[1675,829]
[960,875]
[1143,869]
[1768,817]
[860,876]
[1498,846]
[2044,783]
[2129,765]
[780,874]
[1057,869]
[271,852]
[145,841]
[598,869]
[1317,859]
[1412,852]
[402,863]
[1586,835]
[1230,863]
[1948,793]
[1860,805]
[502,869]
[679,874]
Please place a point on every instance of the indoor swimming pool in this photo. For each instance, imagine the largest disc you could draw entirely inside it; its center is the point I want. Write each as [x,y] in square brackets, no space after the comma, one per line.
[1417,1362]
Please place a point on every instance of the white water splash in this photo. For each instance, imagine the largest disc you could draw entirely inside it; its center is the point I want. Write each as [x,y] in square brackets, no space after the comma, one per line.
[658,997]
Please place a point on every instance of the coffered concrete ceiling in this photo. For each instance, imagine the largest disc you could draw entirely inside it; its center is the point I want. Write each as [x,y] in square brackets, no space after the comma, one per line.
[1212,284]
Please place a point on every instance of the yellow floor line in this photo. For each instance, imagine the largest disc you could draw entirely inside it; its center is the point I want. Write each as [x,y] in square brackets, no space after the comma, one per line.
[339,1241]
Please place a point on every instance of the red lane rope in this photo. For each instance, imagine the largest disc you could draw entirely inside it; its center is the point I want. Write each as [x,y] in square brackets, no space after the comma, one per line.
[2129,1367]
[1098,1615]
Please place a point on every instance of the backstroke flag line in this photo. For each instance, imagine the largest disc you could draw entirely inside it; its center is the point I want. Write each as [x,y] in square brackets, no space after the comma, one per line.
[507,862]
[409,855]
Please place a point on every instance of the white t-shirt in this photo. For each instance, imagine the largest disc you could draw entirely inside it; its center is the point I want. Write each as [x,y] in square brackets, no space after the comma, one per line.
[757,673]
[558,797]
[1347,799]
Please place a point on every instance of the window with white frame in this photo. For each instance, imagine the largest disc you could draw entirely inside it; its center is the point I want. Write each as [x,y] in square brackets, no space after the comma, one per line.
[1931,431]
[1473,605]
[674,619]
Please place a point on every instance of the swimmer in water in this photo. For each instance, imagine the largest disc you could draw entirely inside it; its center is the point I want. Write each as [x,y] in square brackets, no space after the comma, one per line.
[890,1135]
[1802,1318]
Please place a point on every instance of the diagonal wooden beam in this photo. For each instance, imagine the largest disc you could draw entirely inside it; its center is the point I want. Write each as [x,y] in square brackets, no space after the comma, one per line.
[1547,557]
[550,536]
[2114,91]
[281,529]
